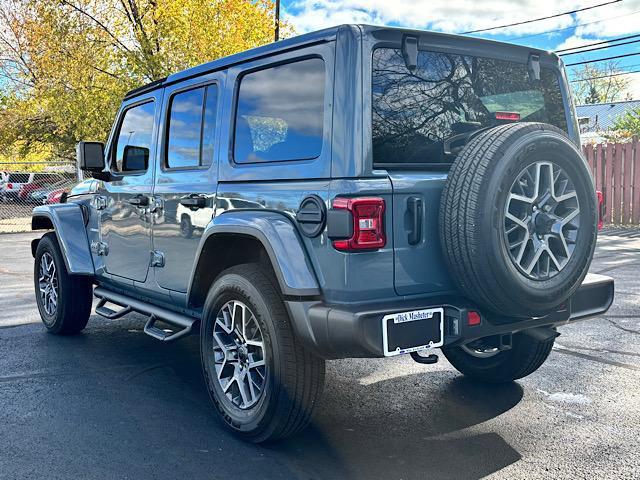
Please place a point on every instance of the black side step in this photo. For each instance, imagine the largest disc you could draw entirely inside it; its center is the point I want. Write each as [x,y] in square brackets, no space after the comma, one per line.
[164,335]
[106,312]
[184,323]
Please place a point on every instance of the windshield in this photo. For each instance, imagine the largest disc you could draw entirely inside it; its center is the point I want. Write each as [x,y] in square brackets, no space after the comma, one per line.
[428,114]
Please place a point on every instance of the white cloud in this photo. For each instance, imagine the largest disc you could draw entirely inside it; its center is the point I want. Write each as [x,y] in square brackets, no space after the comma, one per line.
[622,18]
[463,15]
[634,86]
[578,41]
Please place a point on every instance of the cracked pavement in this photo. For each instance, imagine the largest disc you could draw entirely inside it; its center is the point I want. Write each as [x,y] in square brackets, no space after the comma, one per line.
[115,403]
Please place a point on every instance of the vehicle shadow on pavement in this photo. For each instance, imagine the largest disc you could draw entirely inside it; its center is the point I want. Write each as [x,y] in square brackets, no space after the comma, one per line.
[370,432]
[123,404]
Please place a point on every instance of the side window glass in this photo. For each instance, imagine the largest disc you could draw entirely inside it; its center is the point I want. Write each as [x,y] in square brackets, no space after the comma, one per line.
[192,117]
[133,143]
[280,113]
[209,125]
[185,128]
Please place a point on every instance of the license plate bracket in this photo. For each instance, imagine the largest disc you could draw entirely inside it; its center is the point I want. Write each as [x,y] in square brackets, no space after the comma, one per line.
[412,331]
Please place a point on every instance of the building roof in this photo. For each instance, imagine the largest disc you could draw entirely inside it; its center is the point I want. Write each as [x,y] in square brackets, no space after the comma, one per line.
[603,115]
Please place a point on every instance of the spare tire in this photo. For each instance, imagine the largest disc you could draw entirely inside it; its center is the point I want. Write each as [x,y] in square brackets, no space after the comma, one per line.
[518,219]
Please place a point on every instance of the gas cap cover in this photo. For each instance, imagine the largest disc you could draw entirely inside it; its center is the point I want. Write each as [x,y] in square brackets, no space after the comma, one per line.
[311,216]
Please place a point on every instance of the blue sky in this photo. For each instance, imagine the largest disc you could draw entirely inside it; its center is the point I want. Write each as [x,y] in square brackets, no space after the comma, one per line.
[598,24]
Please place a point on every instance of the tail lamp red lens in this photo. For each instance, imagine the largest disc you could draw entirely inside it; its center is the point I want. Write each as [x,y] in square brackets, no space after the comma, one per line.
[368,223]
[473,318]
[510,116]
[10,186]
[600,209]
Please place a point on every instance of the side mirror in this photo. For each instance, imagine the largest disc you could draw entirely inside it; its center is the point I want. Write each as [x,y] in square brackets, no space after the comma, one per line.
[90,156]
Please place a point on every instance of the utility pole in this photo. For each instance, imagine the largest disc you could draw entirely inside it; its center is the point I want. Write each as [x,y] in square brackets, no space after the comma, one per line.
[277,20]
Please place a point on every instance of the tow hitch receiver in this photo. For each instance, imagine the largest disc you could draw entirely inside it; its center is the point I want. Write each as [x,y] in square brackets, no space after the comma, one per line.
[428,360]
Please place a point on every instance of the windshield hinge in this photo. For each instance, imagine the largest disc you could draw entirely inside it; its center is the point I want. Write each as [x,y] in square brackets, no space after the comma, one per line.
[100,202]
[410,52]
[533,66]
[100,249]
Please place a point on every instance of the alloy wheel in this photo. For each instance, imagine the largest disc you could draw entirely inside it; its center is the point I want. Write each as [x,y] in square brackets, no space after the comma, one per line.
[541,220]
[48,284]
[239,354]
[480,352]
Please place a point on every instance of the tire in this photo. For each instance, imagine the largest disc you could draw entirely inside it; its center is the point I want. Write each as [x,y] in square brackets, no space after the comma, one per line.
[74,293]
[186,227]
[292,378]
[476,226]
[525,357]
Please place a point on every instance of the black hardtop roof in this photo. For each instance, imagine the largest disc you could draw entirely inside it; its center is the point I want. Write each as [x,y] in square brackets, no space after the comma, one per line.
[319,36]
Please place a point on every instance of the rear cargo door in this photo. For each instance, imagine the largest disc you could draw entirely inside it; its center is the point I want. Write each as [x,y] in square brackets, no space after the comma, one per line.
[419,264]
[423,116]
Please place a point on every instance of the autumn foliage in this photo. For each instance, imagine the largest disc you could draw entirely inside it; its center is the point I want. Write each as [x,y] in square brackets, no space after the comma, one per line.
[66,64]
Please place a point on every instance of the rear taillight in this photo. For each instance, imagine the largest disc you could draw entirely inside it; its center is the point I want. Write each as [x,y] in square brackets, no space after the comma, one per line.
[473,318]
[10,186]
[510,116]
[600,209]
[367,215]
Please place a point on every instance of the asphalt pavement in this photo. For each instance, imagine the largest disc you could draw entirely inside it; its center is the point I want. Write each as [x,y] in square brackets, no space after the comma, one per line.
[113,403]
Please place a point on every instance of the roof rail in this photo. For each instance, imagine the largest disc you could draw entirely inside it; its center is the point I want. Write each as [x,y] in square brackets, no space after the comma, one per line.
[144,88]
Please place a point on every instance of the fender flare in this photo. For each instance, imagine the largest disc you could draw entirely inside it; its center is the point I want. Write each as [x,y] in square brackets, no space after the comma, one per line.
[67,221]
[280,239]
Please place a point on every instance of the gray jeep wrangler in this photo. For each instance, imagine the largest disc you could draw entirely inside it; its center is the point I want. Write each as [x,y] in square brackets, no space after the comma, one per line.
[353,192]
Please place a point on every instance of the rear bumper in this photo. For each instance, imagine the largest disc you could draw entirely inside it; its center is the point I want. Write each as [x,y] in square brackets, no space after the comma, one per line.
[352,331]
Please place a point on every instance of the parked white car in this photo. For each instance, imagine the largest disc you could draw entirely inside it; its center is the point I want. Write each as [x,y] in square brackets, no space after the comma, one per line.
[192,219]
[16,180]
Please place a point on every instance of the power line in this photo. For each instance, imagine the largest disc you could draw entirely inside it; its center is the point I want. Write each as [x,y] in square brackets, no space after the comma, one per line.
[598,43]
[541,18]
[604,76]
[599,48]
[603,59]
[576,26]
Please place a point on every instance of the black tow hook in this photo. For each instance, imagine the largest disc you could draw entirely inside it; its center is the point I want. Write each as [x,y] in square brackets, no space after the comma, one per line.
[428,360]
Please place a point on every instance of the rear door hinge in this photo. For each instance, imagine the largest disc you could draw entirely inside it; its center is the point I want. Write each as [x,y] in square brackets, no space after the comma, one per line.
[157,259]
[100,248]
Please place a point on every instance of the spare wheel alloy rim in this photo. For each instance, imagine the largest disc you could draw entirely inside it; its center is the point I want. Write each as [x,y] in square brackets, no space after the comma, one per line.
[541,220]
[239,354]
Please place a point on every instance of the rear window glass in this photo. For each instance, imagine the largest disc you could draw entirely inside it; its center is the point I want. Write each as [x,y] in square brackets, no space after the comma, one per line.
[18,178]
[280,113]
[428,114]
[45,178]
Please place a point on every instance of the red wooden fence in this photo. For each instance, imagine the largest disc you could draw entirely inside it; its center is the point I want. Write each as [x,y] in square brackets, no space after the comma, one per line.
[616,170]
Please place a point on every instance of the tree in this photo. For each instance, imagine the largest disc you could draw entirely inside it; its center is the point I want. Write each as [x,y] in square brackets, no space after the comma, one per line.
[593,97]
[66,64]
[599,84]
[626,126]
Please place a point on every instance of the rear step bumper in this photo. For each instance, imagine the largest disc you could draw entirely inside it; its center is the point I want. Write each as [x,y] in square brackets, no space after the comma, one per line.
[352,331]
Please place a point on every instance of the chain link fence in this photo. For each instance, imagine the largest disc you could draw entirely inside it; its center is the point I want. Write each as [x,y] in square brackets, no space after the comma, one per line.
[26,185]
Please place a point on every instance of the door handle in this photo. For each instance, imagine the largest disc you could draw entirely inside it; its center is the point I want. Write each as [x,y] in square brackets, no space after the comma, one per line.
[194,202]
[139,201]
[414,206]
